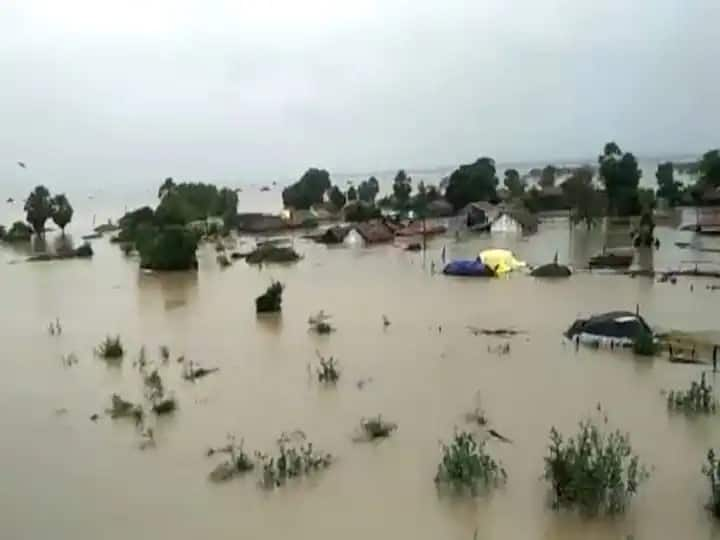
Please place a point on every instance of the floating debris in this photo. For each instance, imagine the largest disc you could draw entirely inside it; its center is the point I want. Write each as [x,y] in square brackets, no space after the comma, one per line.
[164,406]
[123,409]
[319,323]
[499,332]
[374,428]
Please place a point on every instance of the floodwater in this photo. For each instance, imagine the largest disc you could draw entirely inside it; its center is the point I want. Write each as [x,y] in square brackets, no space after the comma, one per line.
[67,477]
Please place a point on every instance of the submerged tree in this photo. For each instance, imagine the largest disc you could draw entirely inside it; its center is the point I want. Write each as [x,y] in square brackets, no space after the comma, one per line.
[166,187]
[352,194]
[337,197]
[621,175]
[172,247]
[38,208]
[513,182]
[402,187]
[368,190]
[309,190]
[587,203]
[710,168]
[62,211]
[472,182]
[547,177]
[668,188]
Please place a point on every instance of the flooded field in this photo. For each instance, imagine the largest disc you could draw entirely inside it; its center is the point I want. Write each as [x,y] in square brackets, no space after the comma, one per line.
[65,476]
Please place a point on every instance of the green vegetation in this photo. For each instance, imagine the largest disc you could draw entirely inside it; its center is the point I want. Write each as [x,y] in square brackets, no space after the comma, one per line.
[111,348]
[465,465]
[668,187]
[307,191]
[192,201]
[352,194]
[547,177]
[271,300]
[471,183]
[359,211]
[514,184]
[329,370]
[594,472]
[587,204]
[711,470]
[698,399]
[295,458]
[124,409]
[645,345]
[269,253]
[168,248]
[621,175]
[377,428]
[402,187]
[337,198]
[368,190]
[19,232]
[238,462]
[709,168]
[61,211]
[38,209]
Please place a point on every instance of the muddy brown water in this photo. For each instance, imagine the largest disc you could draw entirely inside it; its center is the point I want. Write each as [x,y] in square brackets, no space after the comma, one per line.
[64,476]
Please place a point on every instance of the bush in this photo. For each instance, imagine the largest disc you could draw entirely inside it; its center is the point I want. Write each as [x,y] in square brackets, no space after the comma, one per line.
[295,458]
[329,371]
[111,348]
[169,248]
[645,344]
[239,461]
[698,399]
[309,190]
[712,471]
[466,465]
[594,472]
[271,300]
[376,428]
[359,211]
[19,232]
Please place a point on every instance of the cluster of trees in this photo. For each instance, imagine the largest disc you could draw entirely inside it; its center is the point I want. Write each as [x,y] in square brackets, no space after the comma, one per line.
[40,206]
[183,203]
[707,178]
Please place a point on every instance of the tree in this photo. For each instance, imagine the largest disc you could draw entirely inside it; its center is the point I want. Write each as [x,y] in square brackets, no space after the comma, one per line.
[668,188]
[547,177]
[352,194]
[621,175]
[402,187]
[309,190]
[170,248]
[710,168]
[61,211]
[368,190]
[174,209]
[166,187]
[513,183]
[227,206]
[38,209]
[337,198]
[19,232]
[587,203]
[472,182]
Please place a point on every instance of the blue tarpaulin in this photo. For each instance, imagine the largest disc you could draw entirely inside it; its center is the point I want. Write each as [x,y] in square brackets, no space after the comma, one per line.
[471,267]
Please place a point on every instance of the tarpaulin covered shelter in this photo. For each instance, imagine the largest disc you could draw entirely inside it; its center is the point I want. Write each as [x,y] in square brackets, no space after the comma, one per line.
[500,260]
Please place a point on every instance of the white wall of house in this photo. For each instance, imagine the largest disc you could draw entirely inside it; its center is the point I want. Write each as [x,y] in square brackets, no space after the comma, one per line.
[505,223]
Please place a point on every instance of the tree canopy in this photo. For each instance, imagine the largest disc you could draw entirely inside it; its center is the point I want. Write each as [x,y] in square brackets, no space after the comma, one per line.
[38,208]
[472,182]
[668,187]
[547,176]
[166,187]
[61,211]
[513,182]
[170,248]
[621,175]
[337,197]
[587,203]
[710,168]
[352,194]
[368,190]
[309,190]
[402,187]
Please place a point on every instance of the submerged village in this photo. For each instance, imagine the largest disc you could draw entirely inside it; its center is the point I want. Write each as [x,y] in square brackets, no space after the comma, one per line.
[461,270]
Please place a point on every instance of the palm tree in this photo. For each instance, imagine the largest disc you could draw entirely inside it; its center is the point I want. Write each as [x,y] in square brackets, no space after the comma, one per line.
[61,211]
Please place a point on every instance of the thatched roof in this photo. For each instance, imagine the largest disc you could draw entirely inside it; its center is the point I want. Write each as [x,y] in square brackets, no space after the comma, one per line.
[375,232]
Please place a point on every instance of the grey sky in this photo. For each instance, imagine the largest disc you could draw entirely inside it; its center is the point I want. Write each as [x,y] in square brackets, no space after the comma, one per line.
[132,91]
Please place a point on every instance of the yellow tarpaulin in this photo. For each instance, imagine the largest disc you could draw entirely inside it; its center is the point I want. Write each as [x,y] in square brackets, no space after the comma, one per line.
[500,260]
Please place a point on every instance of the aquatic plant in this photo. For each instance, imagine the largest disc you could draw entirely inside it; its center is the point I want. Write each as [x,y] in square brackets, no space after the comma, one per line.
[698,399]
[121,409]
[645,344]
[465,465]
[296,457]
[329,371]
[712,471]
[239,461]
[164,405]
[595,472]
[110,348]
[375,428]
[164,353]
[154,385]
[271,300]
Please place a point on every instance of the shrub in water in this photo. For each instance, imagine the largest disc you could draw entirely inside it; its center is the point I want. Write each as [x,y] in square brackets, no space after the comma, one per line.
[594,471]
[296,457]
[466,465]
[697,399]
[271,300]
[376,428]
[645,345]
[712,471]
[111,348]
[329,371]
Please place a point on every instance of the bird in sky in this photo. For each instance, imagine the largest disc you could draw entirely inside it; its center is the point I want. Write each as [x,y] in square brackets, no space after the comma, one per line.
[22,164]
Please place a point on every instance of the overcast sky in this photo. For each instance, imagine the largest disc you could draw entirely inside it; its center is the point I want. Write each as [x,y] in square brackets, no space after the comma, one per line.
[131,91]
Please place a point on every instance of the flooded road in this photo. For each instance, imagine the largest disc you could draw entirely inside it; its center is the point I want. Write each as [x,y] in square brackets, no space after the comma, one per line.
[67,477]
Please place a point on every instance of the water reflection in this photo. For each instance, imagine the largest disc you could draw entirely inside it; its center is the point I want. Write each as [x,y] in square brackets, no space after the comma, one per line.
[174,289]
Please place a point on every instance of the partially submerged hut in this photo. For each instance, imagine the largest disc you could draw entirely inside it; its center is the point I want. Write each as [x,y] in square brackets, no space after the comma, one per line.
[374,232]
[615,327]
